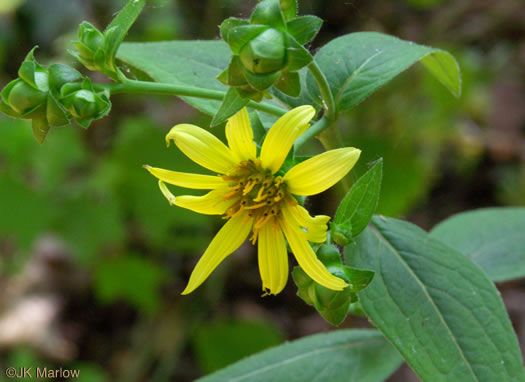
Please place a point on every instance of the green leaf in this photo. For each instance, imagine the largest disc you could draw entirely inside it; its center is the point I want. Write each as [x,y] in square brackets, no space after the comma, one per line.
[493,238]
[232,103]
[188,63]
[338,356]
[222,343]
[304,28]
[436,307]
[359,63]
[360,202]
[119,27]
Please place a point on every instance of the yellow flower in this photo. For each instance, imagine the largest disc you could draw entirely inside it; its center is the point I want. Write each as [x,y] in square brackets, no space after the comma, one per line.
[253,198]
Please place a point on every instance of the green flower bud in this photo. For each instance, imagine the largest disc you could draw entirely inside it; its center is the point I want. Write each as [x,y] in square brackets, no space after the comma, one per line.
[22,97]
[82,104]
[31,96]
[266,53]
[51,97]
[85,104]
[341,233]
[332,305]
[90,47]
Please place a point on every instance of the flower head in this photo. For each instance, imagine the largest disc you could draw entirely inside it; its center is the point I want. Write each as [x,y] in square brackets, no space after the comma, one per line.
[254,198]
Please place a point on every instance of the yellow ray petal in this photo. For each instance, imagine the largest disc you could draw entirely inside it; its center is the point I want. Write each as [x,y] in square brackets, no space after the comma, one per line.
[307,259]
[321,172]
[228,239]
[212,203]
[273,258]
[181,179]
[202,147]
[282,136]
[240,136]
[167,193]
[316,227]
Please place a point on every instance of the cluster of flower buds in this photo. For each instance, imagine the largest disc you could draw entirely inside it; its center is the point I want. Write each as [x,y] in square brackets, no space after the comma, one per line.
[268,49]
[332,305]
[52,97]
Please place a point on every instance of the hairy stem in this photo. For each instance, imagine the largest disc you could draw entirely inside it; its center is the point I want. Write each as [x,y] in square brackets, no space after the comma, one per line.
[145,87]
[324,87]
[312,131]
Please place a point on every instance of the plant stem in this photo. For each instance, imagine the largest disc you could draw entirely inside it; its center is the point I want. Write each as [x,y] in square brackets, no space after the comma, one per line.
[312,131]
[324,87]
[326,132]
[160,88]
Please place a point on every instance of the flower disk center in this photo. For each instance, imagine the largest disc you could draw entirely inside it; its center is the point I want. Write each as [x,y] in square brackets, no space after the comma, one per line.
[255,190]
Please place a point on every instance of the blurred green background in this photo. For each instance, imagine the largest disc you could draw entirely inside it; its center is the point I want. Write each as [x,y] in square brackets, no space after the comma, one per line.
[93,259]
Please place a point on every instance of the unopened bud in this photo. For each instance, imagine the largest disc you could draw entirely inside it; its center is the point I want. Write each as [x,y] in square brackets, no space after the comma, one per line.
[90,47]
[341,233]
[22,97]
[85,104]
[266,53]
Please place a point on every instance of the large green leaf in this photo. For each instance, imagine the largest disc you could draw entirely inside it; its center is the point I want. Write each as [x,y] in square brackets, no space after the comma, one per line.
[359,63]
[494,238]
[186,63]
[438,308]
[191,63]
[343,355]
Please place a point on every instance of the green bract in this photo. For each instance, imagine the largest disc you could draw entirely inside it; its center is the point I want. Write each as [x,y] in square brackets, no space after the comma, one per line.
[332,305]
[266,50]
[52,97]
